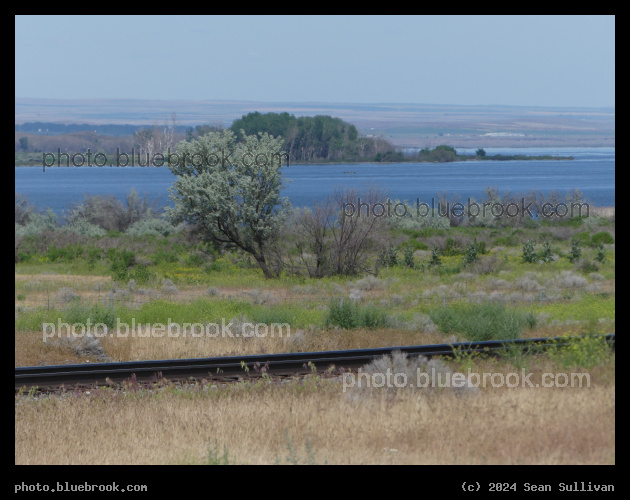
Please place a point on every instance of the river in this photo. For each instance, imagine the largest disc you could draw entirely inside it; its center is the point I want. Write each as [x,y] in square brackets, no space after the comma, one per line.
[592,172]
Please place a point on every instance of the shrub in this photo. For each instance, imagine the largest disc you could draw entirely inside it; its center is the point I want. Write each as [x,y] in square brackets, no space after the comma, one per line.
[602,238]
[141,274]
[601,253]
[506,241]
[417,245]
[586,266]
[583,237]
[86,345]
[169,288]
[529,252]
[80,313]
[151,226]
[37,223]
[408,256]
[110,213]
[23,209]
[64,254]
[66,294]
[486,265]
[406,373]
[479,322]
[194,259]
[349,315]
[576,250]
[568,279]
[420,220]
[451,247]
[546,255]
[121,261]
[435,257]
[369,283]
[85,228]
[527,284]
[391,258]
[584,352]
[471,253]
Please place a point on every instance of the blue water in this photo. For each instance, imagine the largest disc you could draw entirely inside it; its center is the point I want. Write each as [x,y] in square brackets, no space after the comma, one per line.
[592,172]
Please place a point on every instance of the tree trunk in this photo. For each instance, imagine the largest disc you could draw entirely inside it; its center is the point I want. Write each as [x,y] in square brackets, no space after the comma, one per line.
[262,263]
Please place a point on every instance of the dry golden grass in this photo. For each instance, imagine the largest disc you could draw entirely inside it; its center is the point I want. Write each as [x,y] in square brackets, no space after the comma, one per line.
[137,348]
[30,350]
[494,426]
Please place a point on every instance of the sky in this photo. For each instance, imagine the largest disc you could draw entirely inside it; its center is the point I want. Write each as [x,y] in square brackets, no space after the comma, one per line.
[560,61]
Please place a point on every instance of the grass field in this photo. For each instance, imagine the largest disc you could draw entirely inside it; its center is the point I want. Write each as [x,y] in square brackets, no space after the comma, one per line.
[173,282]
[314,421]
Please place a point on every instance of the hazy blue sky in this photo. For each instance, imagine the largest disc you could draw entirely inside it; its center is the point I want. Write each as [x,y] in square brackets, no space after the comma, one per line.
[511,60]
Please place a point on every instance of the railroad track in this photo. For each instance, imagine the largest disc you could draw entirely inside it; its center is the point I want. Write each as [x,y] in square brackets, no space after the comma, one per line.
[243,367]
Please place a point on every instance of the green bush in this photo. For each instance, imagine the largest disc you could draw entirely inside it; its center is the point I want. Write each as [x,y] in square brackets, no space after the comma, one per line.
[141,274]
[435,258]
[584,352]
[78,312]
[546,255]
[124,267]
[164,255]
[349,315]
[451,247]
[485,321]
[194,260]
[603,237]
[576,250]
[415,245]
[506,241]
[584,237]
[408,256]
[601,253]
[529,252]
[65,254]
[471,254]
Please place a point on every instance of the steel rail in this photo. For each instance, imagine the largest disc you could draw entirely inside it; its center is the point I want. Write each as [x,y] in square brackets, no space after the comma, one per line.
[235,367]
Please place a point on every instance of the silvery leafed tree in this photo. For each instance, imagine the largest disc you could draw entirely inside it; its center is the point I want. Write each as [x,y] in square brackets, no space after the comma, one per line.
[231,189]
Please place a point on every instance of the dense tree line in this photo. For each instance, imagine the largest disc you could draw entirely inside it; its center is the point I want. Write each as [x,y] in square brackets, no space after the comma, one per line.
[317,138]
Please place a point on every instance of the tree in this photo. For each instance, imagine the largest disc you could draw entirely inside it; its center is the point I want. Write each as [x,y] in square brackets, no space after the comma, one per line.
[547,253]
[601,252]
[471,254]
[159,139]
[480,152]
[231,190]
[435,257]
[334,238]
[576,250]
[529,252]
[24,143]
[409,257]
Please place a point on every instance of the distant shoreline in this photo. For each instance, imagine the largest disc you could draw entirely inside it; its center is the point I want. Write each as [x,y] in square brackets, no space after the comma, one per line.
[32,162]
